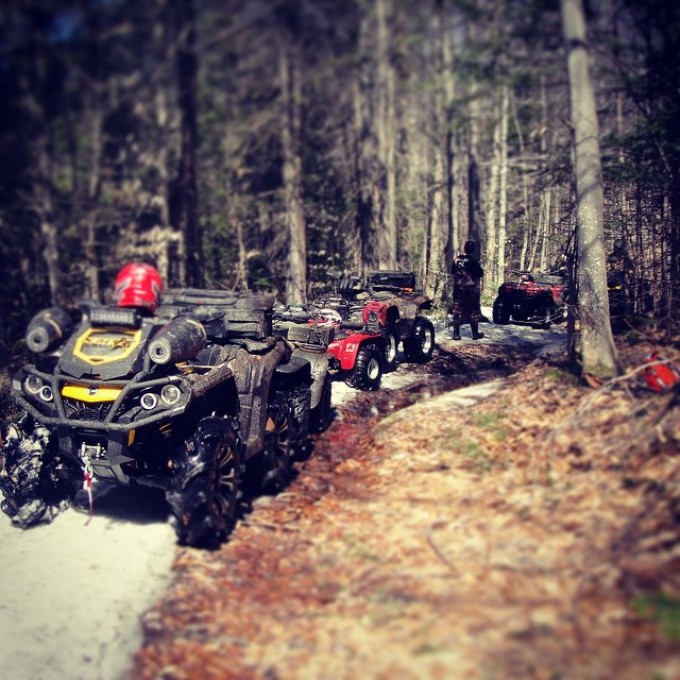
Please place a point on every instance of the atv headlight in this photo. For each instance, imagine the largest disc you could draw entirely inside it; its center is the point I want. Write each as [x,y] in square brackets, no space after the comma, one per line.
[46,393]
[170,395]
[32,384]
[149,401]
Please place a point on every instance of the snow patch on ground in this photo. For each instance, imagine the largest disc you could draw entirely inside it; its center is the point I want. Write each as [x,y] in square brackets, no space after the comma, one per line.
[72,592]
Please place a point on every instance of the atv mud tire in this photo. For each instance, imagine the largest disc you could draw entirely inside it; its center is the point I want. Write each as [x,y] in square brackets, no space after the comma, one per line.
[390,351]
[277,456]
[299,400]
[419,346]
[33,493]
[546,313]
[368,369]
[500,313]
[549,313]
[204,498]
[321,415]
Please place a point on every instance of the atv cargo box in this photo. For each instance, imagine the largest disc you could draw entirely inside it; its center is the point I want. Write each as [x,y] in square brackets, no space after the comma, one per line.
[224,314]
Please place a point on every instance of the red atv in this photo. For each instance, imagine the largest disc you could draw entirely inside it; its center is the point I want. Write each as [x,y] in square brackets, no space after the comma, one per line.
[356,349]
[388,305]
[538,299]
[358,355]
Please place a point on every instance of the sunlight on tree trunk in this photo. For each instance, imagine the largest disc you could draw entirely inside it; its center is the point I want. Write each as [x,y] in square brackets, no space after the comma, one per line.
[386,186]
[503,187]
[491,207]
[290,72]
[598,352]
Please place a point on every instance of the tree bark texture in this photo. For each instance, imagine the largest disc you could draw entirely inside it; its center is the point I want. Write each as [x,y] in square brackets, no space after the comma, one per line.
[187,71]
[290,76]
[490,251]
[376,209]
[503,186]
[598,352]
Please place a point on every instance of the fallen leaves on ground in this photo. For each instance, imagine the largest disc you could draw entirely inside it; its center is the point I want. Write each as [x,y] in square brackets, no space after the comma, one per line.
[532,535]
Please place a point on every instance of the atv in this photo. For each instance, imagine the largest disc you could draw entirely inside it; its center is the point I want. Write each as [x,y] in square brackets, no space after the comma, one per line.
[192,400]
[355,350]
[310,342]
[537,299]
[388,304]
[398,308]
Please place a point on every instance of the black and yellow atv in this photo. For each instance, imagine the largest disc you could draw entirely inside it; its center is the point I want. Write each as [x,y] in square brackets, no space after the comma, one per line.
[187,400]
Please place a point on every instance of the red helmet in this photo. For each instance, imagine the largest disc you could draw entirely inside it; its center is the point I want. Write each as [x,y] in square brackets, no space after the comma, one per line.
[138,285]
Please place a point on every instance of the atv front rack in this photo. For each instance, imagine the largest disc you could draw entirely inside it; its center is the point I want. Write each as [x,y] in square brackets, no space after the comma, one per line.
[119,401]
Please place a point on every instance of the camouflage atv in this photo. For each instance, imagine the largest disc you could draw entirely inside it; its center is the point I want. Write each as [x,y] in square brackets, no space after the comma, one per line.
[310,343]
[186,400]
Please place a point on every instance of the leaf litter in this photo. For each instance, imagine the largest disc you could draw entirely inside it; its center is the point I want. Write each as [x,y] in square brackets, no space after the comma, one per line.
[532,535]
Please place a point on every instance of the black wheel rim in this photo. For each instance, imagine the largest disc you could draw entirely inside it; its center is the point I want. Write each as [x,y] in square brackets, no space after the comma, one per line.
[226,481]
[278,439]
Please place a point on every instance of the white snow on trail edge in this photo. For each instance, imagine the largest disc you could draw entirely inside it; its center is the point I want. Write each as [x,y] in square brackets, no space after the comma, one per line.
[72,593]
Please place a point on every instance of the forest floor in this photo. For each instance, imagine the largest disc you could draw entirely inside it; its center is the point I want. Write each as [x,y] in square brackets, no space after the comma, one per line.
[529,531]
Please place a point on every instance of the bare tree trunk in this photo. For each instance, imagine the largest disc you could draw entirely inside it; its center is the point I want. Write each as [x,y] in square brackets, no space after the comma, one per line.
[374,116]
[526,205]
[391,166]
[385,187]
[547,206]
[366,152]
[598,352]
[187,68]
[290,78]
[475,212]
[94,184]
[503,188]
[492,205]
[48,229]
[43,184]
[537,236]
[437,104]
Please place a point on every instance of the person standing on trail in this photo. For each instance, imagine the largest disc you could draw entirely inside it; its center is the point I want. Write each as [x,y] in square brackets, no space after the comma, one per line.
[467,275]
[620,282]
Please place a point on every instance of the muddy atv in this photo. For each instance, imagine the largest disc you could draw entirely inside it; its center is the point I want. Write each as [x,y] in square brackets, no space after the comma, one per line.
[189,400]
[398,308]
[387,304]
[355,349]
[310,342]
[537,299]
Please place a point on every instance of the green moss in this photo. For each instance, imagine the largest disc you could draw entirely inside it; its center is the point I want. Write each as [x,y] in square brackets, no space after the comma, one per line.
[360,550]
[561,376]
[664,610]
[479,460]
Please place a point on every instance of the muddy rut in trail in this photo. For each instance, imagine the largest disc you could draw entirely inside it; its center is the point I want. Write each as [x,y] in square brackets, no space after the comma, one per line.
[421,540]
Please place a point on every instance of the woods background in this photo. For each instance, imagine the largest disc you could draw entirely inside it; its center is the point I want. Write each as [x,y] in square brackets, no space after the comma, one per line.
[269,143]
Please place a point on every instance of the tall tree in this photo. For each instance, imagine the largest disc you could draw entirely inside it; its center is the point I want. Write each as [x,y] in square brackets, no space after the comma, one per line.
[290,78]
[598,352]
[187,181]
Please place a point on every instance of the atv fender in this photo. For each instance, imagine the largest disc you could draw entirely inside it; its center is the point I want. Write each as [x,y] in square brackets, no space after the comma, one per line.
[253,372]
[319,369]
[346,349]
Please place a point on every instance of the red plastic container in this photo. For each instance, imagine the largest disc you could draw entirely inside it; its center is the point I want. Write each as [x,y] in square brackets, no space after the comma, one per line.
[660,377]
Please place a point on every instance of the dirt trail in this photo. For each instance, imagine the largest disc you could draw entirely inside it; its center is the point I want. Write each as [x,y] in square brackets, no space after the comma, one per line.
[72,592]
[441,541]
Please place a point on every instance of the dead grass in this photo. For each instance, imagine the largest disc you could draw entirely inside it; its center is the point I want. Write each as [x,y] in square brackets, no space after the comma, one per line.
[534,535]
